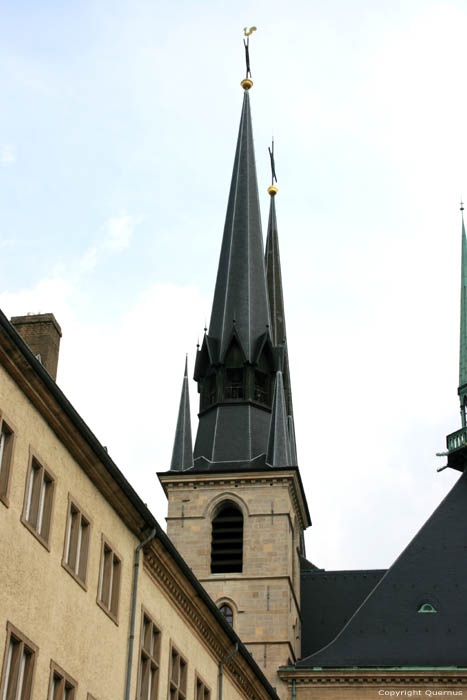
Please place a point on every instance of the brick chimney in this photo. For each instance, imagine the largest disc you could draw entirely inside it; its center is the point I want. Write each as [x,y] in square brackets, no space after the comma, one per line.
[42,334]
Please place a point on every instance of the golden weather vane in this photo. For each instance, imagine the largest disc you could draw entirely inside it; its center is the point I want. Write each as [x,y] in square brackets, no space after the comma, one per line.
[247,33]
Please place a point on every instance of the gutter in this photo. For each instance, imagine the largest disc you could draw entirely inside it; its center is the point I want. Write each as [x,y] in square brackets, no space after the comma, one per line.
[221,668]
[134,593]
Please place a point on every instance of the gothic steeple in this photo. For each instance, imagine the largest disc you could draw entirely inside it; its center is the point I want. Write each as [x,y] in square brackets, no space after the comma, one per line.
[182,454]
[236,364]
[240,297]
[274,284]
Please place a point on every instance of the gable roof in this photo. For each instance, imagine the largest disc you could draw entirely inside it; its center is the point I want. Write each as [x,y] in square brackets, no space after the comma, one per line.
[387,629]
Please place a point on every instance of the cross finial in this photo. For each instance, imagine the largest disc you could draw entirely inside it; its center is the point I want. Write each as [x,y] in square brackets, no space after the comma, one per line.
[273,164]
[462,205]
[272,190]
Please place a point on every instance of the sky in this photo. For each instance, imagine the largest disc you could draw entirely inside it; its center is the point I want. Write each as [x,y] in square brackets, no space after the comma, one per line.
[118,124]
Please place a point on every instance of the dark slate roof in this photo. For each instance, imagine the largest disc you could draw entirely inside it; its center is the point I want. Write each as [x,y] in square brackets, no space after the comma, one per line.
[279,454]
[274,277]
[328,601]
[232,432]
[182,454]
[240,295]
[276,296]
[388,630]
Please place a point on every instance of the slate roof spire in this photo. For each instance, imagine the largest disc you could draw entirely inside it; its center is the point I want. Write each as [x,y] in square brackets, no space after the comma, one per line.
[274,285]
[240,297]
[279,452]
[236,364]
[182,454]
[462,390]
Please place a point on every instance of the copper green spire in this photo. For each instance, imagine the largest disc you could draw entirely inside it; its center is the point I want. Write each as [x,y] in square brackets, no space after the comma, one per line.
[463,329]
[182,454]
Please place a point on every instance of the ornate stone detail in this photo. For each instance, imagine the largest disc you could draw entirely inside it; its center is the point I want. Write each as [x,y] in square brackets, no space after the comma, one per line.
[352,677]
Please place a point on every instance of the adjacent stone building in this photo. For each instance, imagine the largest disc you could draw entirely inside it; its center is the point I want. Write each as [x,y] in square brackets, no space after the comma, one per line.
[95,601]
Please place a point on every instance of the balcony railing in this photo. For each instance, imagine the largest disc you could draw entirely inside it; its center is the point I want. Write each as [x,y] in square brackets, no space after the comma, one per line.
[457,439]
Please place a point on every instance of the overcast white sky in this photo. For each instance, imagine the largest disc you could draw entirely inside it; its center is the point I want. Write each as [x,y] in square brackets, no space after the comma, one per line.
[118,123]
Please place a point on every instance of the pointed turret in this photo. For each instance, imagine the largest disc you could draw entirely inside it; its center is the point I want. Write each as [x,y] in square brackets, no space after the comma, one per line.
[182,454]
[240,298]
[274,286]
[236,364]
[278,454]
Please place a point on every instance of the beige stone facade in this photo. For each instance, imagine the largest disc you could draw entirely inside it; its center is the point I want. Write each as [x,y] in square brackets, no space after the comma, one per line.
[265,595]
[70,525]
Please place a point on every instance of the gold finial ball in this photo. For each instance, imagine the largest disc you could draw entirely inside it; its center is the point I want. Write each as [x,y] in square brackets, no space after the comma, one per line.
[273,190]
[246,84]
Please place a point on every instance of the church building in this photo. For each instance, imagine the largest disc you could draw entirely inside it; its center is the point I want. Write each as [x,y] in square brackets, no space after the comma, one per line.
[237,511]
[97,602]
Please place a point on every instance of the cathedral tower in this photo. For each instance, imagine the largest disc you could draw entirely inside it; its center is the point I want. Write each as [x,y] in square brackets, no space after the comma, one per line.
[237,511]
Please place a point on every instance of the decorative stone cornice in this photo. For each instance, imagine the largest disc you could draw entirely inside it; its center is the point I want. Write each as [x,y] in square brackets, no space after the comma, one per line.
[351,677]
[176,588]
[288,478]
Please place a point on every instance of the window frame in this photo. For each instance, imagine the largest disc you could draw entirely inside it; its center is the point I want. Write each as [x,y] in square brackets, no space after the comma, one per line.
[5,470]
[73,503]
[154,659]
[34,458]
[227,604]
[55,669]
[199,681]
[113,614]
[181,693]
[12,631]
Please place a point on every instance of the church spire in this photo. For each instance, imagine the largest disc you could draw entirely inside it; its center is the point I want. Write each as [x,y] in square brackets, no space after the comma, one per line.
[182,454]
[274,283]
[240,297]
[236,363]
[463,327]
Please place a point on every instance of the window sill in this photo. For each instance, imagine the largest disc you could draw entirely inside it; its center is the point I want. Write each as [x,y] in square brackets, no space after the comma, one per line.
[34,532]
[4,500]
[108,612]
[78,580]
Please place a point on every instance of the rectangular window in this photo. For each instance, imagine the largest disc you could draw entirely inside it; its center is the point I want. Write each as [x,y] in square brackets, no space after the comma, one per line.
[18,666]
[62,686]
[6,454]
[202,692]
[109,581]
[75,556]
[38,502]
[177,676]
[149,659]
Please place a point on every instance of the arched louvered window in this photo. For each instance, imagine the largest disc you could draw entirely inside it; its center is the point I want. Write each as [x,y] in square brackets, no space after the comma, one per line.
[227,612]
[227,540]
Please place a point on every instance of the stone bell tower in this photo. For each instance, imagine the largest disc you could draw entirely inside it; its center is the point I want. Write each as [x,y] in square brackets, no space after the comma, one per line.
[236,506]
